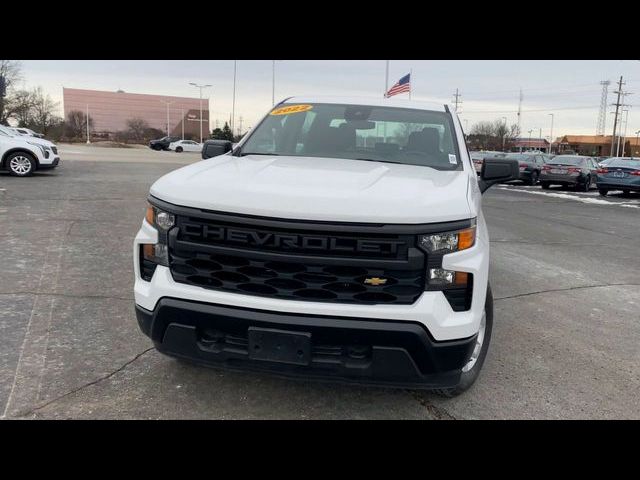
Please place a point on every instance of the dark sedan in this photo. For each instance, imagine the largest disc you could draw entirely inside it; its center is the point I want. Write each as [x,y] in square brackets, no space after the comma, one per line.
[530,165]
[620,174]
[569,170]
[163,143]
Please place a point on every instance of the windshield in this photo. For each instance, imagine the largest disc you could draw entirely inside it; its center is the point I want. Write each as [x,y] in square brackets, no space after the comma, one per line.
[624,163]
[568,160]
[382,134]
[4,130]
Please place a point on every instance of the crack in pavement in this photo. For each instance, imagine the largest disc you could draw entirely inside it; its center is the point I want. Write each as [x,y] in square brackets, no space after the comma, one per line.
[438,413]
[551,290]
[82,387]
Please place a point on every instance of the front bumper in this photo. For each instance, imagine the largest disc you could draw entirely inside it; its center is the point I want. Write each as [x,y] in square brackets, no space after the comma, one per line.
[609,185]
[51,162]
[366,350]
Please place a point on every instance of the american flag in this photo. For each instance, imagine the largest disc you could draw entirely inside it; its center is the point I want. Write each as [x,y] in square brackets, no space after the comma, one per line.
[403,85]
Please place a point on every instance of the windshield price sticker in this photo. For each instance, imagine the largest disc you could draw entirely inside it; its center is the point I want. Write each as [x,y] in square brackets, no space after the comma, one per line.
[291,109]
[452,159]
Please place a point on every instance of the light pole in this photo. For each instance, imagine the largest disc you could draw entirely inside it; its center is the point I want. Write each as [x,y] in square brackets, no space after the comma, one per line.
[167,104]
[529,142]
[200,87]
[551,132]
[504,134]
[88,141]
[637,139]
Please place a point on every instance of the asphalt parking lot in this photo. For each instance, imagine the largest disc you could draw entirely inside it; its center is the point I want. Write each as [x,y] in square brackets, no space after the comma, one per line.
[564,272]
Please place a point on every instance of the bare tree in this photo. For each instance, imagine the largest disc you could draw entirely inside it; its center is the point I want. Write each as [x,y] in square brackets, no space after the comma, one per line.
[43,111]
[19,106]
[494,135]
[11,70]
[137,128]
[76,124]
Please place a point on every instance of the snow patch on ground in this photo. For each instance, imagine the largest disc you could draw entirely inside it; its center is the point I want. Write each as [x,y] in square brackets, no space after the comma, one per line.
[583,199]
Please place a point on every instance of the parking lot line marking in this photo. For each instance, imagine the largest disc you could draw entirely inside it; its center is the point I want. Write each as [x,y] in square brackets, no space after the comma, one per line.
[564,196]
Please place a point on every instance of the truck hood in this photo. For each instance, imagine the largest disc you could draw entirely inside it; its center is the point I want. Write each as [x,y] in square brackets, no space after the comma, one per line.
[324,189]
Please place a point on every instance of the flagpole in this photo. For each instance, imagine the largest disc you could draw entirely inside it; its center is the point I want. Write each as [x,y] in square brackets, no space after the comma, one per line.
[386,80]
[410,81]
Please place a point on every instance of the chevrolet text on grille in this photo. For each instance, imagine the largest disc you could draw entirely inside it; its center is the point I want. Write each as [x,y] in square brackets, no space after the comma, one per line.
[305,242]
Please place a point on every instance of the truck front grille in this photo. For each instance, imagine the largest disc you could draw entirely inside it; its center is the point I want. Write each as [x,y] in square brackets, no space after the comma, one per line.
[389,276]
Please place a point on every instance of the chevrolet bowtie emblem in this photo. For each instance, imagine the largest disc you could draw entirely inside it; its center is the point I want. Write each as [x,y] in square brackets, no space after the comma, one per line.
[375,281]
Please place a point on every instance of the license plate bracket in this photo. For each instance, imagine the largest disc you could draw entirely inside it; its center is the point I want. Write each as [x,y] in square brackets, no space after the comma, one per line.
[280,346]
[618,174]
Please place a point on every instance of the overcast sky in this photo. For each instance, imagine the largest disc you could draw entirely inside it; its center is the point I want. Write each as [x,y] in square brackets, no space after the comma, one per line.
[570,90]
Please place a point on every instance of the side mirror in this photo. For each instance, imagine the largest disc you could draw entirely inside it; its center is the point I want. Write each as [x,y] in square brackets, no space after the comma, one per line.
[213,148]
[497,170]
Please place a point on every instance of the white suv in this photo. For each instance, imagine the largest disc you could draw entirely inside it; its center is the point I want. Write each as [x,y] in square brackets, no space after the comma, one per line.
[342,238]
[23,155]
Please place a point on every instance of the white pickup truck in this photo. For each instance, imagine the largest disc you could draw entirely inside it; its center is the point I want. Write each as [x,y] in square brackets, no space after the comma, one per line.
[342,239]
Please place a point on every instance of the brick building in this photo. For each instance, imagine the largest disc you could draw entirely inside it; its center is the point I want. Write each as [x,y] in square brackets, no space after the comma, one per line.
[111,110]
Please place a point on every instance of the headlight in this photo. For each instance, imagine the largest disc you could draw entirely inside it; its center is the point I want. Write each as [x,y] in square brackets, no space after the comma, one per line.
[448,242]
[42,148]
[161,221]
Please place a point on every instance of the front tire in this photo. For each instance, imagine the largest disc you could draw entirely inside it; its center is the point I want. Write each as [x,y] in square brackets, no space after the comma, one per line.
[545,185]
[603,192]
[472,369]
[21,164]
[178,149]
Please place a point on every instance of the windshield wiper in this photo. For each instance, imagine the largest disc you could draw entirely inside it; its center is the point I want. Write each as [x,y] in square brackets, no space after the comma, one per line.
[258,153]
[375,160]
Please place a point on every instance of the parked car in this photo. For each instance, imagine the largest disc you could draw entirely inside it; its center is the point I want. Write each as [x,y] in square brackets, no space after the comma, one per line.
[185,146]
[24,155]
[569,170]
[163,143]
[478,158]
[530,165]
[621,173]
[304,252]
[604,161]
[27,132]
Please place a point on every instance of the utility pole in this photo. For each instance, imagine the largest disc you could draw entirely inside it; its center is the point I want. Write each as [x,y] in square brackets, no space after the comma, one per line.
[602,114]
[624,135]
[551,133]
[240,126]
[504,135]
[529,142]
[182,113]
[520,111]
[615,119]
[457,100]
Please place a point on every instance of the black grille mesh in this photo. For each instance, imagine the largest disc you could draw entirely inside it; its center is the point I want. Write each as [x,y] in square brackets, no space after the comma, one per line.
[295,280]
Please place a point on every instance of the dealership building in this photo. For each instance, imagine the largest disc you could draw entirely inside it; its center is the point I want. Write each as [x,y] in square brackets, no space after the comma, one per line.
[110,111]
